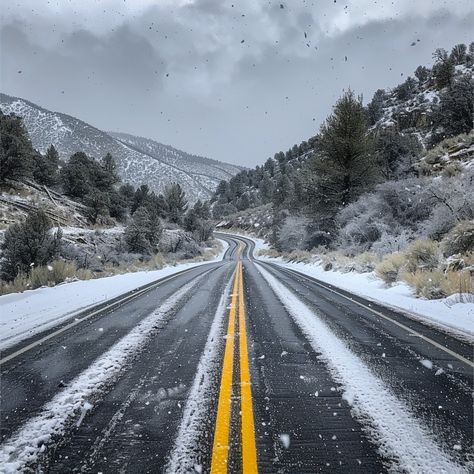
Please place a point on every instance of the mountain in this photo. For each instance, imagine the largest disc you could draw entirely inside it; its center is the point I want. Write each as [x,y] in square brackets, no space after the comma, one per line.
[139,160]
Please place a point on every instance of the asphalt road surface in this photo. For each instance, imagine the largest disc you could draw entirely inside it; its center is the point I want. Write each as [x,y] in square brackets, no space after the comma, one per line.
[238,366]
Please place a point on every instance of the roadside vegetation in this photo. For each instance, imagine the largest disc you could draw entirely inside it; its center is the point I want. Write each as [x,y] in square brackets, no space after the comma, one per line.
[385,187]
[122,229]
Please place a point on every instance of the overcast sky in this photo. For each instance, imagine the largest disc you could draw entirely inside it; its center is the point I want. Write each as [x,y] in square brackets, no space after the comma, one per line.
[236,81]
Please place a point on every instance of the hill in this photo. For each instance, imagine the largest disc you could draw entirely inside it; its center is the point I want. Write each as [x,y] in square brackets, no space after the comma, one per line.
[139,160]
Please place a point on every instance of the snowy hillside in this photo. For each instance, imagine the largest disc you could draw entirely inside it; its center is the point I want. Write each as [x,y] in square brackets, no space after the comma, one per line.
[139,160]
[408,107]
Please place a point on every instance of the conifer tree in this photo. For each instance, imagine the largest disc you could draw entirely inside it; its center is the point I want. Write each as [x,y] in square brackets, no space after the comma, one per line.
[16,151]
[176,203]
[344,166]
[46,168]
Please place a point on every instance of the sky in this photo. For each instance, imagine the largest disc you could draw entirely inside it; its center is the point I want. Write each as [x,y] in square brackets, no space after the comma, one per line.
[235,81]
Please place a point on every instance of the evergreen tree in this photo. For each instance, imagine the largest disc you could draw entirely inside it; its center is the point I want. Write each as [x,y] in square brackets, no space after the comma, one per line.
[46,168]
[16,151]
[127,192]
[76,175]
[176,203]
[109,177]
[454,115]
[375,107]
[458,54]
[143,233]
[344,166]
[27,244]
[443,69]
[394,150]
[422,73]
[97,203]
[141,197]
[117,205]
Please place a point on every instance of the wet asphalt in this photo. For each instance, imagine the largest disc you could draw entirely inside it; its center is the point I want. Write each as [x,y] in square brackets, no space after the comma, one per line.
[134,422]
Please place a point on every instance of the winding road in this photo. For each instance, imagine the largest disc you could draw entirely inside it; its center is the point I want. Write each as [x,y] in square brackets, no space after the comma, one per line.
[238,366]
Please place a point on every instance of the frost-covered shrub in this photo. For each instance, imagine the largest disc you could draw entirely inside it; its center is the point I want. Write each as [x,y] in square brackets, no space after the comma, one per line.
[460,239]
[422,255]
[366,262]
[405,202]
[390,243]
[390,267]
[292,234]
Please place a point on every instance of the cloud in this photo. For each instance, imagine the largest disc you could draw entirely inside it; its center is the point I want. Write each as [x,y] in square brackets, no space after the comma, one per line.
[234,81]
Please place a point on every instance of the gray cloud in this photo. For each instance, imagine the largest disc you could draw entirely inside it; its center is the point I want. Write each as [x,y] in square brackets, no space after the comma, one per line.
[237,83]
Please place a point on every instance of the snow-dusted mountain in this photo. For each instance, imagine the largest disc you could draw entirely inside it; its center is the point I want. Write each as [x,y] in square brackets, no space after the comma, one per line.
[139,160]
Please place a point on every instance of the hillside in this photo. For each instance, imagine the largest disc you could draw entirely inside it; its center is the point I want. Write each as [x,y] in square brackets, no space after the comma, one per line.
[139,160]
[413,129]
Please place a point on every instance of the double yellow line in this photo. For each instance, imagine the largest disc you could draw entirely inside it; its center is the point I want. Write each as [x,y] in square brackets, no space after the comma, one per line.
[221,447]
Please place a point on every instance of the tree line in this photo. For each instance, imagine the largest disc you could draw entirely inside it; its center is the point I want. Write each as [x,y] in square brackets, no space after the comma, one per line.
[96,185]
[353,154]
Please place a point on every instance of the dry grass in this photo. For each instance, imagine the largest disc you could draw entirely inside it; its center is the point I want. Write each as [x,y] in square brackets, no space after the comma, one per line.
[56,272]
[390,267]
[435,284]
[366,262]
[422,255]
[271,253]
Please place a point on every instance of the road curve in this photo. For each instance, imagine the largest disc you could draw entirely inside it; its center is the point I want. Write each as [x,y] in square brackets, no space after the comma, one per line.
[238,366]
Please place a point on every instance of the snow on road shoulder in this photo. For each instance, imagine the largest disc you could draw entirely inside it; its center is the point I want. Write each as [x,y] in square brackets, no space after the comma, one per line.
[444,314]
[389,421]
[31,439]
[28,313]
[185,454]
[457,319]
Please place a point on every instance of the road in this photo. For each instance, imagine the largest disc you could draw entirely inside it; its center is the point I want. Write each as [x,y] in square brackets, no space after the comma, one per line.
[239,366]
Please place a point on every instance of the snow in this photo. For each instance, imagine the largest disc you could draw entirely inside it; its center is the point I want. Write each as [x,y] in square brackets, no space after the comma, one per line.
[185,453]
[25,445]
[388,420]
[455,318]
[285,440]
[447,314]
[28,313]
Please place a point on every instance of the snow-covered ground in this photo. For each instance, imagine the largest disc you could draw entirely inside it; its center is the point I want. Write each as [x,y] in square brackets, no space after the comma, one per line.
[28,313]
[446,313]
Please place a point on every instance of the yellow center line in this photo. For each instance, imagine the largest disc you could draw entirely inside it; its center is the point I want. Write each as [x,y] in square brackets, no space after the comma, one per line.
[220,449]
[249,451]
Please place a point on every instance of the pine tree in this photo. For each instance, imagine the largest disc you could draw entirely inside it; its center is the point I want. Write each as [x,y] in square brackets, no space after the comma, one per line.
[141,197]
[97,204]
[46,168]
[27,244]
[16,151]
[143,233]
[176,203]
[454,115]
[109,177]
[443,69]
[458,54]
[344,166]
[76,175]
